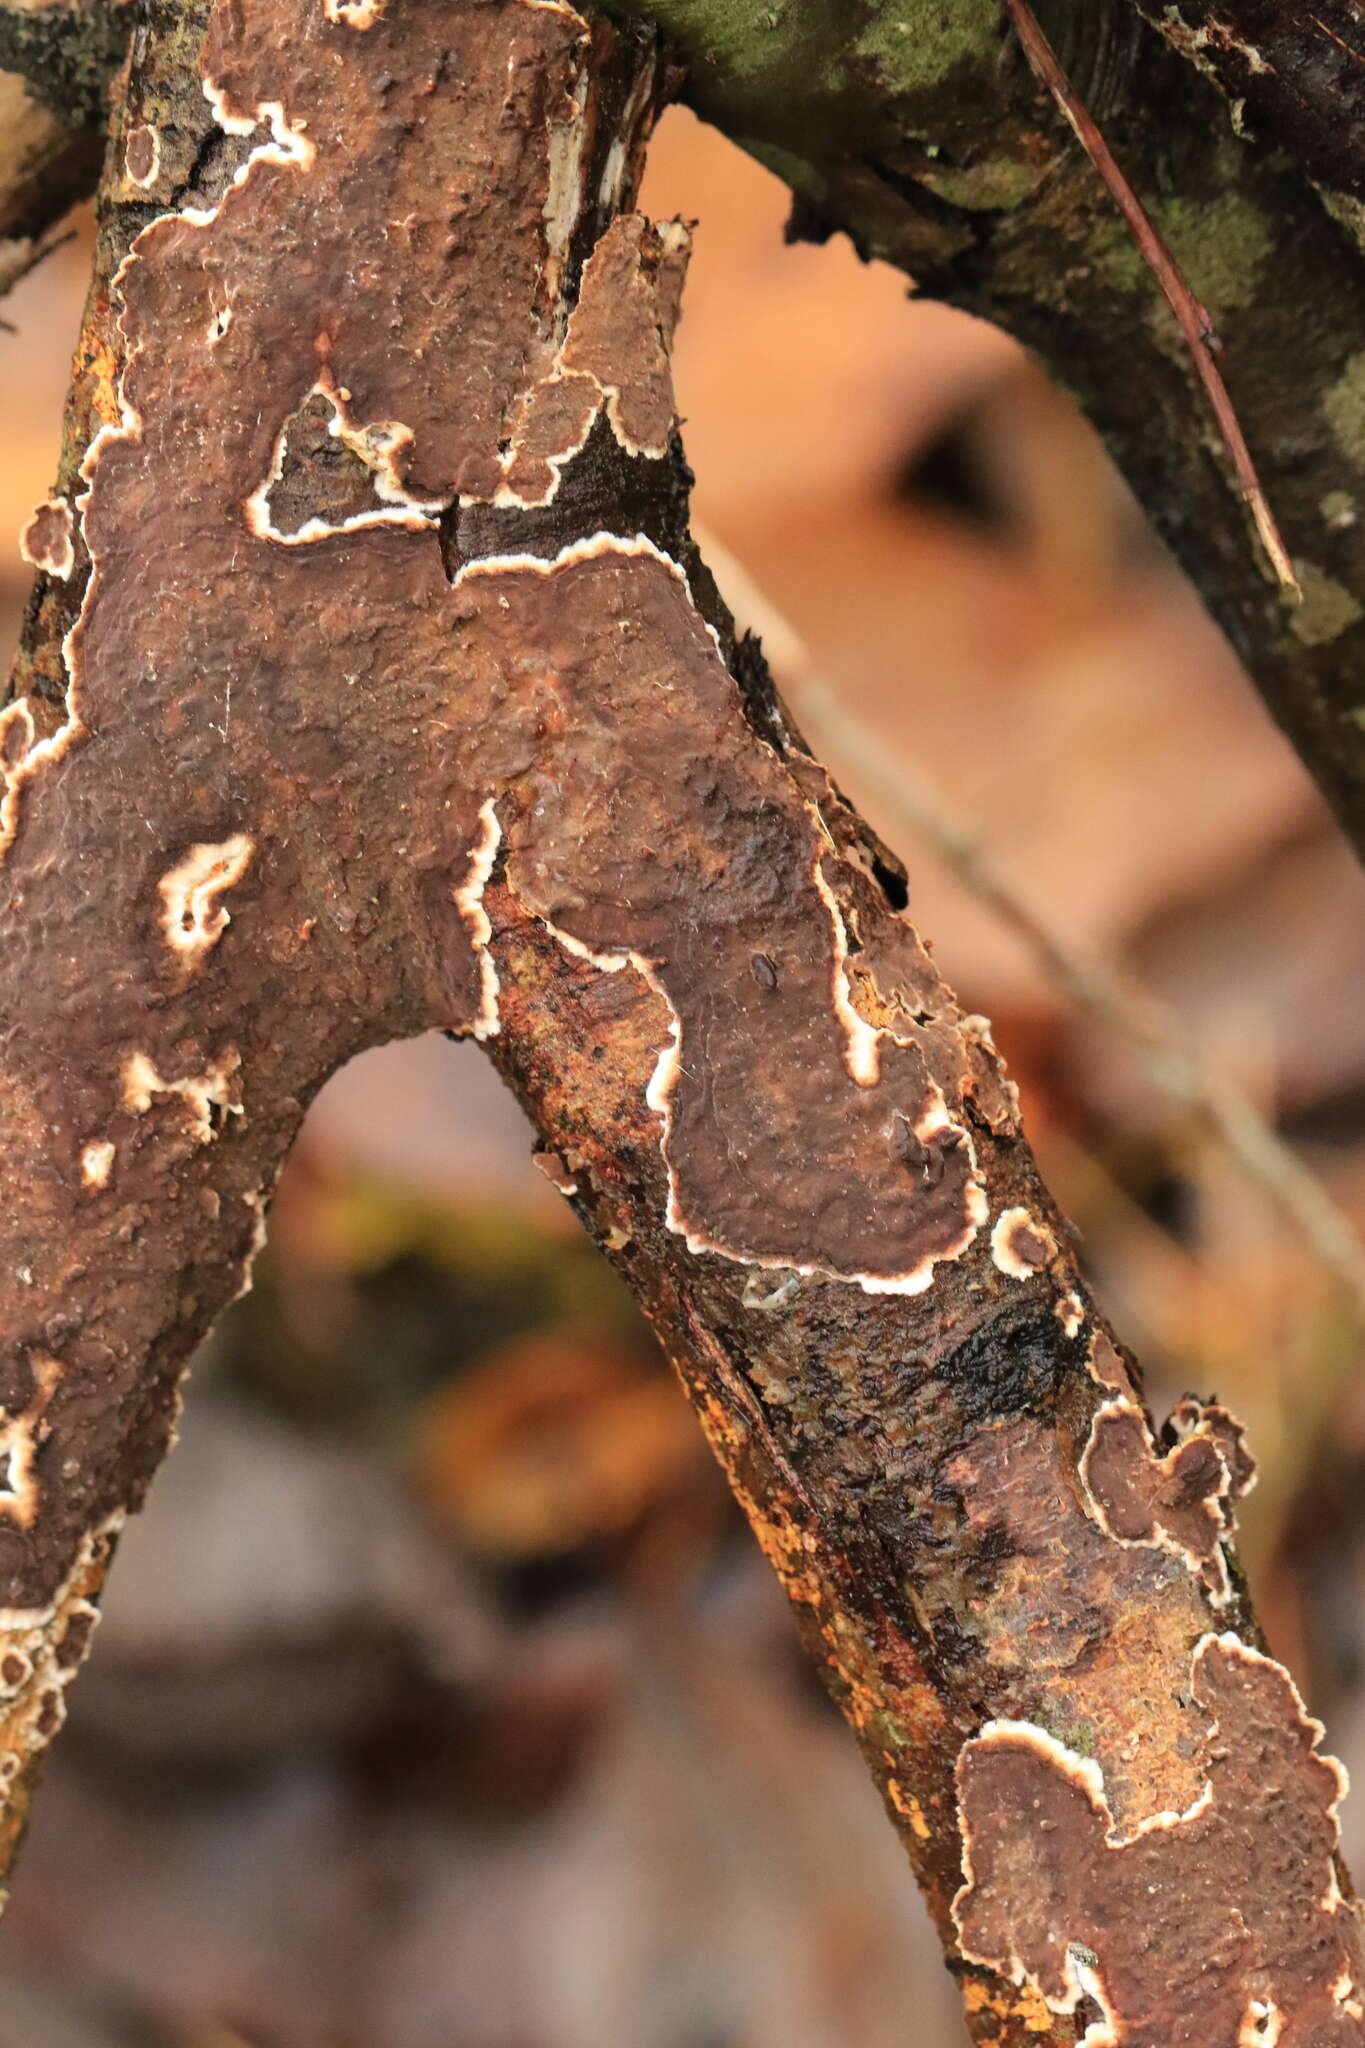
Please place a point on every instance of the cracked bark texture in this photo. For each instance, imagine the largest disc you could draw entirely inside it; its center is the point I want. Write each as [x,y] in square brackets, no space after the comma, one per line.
[372,684]
[917,128]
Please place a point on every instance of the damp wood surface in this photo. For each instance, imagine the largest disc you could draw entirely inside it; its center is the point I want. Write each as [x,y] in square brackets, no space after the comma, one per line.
[372,684]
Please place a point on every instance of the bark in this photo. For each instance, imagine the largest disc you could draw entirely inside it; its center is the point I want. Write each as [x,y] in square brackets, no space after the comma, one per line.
[372,685]
[919,130]
[56,62]
[1292,74]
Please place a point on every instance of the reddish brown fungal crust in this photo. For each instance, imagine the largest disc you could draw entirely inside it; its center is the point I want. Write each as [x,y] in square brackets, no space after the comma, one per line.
[397,698]
[48,540]
[1221,1924]
[1183,1501]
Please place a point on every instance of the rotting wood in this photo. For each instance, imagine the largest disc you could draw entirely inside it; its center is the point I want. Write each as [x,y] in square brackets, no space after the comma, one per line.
[383,690]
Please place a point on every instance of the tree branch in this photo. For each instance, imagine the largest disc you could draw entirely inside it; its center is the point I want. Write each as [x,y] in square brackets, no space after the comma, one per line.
[56,62]
[918,130]
[1294,76]
[372,684]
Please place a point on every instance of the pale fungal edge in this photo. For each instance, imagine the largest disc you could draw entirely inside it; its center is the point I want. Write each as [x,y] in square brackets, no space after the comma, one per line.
[22,1620]
[61,565]
[468,898]
[192,918]
[1008,1261]
[674,236]
[1087,1774]
[1220,1594]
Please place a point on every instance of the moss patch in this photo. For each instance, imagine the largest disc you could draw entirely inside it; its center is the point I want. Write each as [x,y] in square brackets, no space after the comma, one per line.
[1344,405]
[1327,610]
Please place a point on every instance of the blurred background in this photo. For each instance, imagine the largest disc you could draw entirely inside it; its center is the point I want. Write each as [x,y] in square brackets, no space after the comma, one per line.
[441,1699]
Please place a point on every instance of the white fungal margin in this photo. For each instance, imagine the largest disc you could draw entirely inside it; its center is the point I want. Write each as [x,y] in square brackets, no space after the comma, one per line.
[469,902]
[57,558]
[20,1437]
[356,14]
[1070,1313]
[377,444]
[288,145]
[192,918]
[1007,1256]
[1213,1569]
[97,1163]
[202,1094]
[146,179]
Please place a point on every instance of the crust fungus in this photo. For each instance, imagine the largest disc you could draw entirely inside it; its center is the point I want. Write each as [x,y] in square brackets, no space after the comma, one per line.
[1021,1244]
[207,1096]
[192,918]
[48,541]
[1070,1313]
[142,156]
[20,1435]
[97,1162]
[1220,1924]
[1182,1502]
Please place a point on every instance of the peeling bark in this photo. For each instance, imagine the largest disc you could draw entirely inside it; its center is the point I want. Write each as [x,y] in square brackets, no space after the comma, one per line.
[383,690]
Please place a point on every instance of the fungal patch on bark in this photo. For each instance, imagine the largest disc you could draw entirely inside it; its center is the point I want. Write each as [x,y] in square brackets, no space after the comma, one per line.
[21,1435]
[97,1163]
[192,917]
[1184,1501]
[142,156]
[208,1096]
[356,14]
[614,358]
[555,1171]
[328,476]
[1070,1313]
[469,902]
[1021,1244]
[1212,1925]
[48,541]
[781,1146]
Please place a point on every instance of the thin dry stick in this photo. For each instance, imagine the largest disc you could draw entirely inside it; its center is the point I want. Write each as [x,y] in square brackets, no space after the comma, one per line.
[1127,1009]
[1193,317]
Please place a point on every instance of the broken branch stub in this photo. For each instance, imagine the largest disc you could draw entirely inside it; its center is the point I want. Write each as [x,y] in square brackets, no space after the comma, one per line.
[384,691]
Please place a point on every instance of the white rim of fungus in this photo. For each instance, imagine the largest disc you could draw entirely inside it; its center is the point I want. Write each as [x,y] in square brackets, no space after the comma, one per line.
[469,902]
[144,183]
[1070,1313]
[1087,1774]
[673,238]
[356,14]
[21,1495]
[192,918]
[1221,1591]
[97,1162]
[201,1093]
[377,446]
[60,565]
[1003,1255]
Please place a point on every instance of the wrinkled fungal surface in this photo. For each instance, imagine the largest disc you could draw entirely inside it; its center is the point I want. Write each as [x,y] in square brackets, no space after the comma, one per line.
[1214,1927]
[384,691]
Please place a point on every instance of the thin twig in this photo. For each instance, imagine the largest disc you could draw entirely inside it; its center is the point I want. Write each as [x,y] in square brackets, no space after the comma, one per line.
[1194,318]
[1128,1010]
